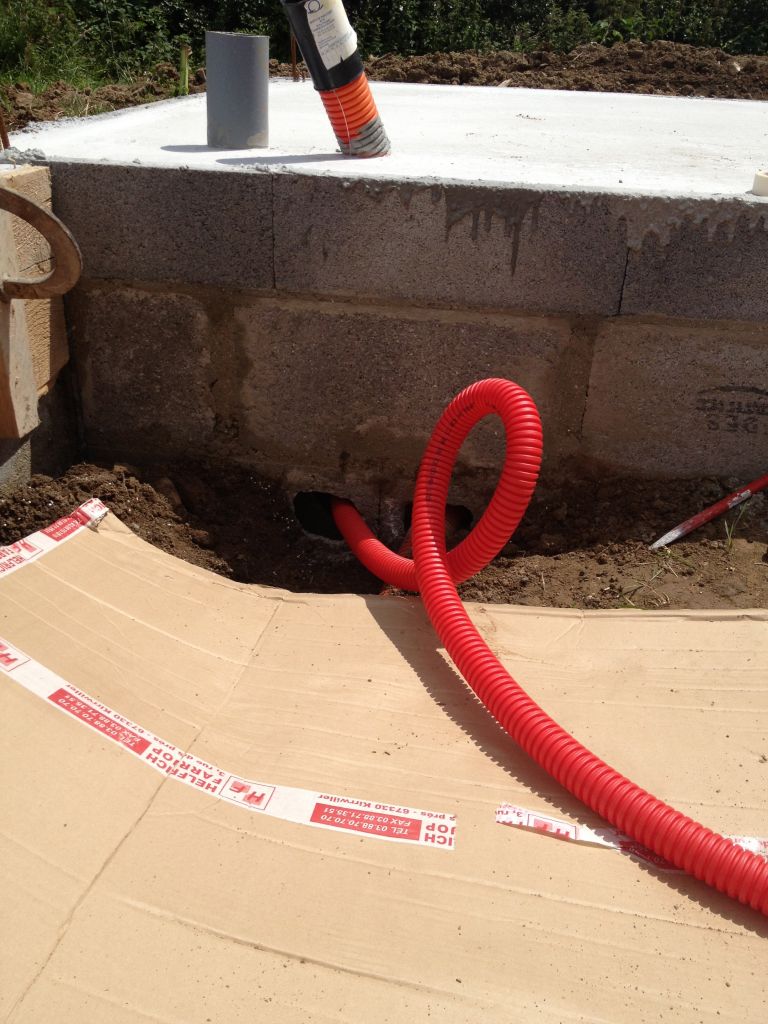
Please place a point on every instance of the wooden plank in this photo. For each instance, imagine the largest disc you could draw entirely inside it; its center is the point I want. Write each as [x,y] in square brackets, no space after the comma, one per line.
[46,328]
[18,387]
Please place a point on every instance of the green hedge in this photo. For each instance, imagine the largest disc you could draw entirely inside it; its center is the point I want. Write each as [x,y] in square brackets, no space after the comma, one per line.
[112,39]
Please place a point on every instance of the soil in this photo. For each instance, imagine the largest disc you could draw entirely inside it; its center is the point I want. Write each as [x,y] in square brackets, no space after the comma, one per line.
[587,551]
[663,68]
[61,99]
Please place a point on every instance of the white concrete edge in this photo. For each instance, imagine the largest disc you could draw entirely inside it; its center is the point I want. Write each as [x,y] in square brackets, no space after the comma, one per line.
[748,198]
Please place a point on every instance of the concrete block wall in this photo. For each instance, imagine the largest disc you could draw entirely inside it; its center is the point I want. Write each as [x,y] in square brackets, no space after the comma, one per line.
[313,328]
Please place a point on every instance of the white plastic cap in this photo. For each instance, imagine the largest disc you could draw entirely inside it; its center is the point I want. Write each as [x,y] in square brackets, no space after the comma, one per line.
[760,187]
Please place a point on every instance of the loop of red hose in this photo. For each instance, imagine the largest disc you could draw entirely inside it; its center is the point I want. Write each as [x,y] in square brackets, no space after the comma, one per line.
[687,844]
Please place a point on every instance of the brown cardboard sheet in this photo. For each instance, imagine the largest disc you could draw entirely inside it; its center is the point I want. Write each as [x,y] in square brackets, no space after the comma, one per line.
[128,897]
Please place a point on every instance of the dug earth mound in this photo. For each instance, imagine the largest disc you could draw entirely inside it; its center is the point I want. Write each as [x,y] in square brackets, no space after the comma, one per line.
[661,68]
[587,550]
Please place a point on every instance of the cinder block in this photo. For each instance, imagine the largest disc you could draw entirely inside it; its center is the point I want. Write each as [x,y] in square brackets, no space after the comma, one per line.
[145,373]
[50,448]
[168,224]
[55,444]
[320,395]
[15,463]
[697,259]
[336,397]
[679,401]
[488,246]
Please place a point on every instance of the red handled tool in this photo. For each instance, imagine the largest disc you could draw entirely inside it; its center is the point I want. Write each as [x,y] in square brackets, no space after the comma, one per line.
[724,505]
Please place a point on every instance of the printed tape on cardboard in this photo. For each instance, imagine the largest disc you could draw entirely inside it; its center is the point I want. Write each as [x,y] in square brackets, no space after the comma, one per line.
[609,838]
[322,810]
[16,556]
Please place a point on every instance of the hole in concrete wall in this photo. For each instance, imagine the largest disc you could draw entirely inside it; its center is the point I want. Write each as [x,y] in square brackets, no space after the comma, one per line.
[458,518]
[313,511]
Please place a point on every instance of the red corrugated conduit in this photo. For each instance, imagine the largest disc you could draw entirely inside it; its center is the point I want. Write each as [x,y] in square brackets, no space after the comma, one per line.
[689,845]
[355,119]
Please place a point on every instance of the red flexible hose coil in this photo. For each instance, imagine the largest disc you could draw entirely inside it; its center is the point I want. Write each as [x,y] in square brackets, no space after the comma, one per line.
[687,844]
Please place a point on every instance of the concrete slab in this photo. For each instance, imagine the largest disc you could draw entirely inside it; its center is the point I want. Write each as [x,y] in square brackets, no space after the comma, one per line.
[628,144]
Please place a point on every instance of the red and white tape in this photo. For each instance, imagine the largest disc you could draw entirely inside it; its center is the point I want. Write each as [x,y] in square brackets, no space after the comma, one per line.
[369,818]
[16,556]
[323,810]
[609,838]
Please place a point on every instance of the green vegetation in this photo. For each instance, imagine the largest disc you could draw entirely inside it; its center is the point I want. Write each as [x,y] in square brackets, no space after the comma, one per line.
[85,42]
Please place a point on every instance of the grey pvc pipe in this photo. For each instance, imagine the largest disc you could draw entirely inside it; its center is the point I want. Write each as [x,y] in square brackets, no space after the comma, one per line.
[237,87]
